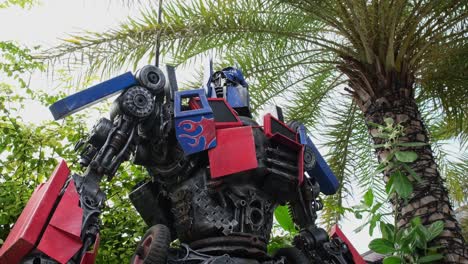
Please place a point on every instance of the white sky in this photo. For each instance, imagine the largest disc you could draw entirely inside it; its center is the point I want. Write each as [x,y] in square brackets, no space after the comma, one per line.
[51,20]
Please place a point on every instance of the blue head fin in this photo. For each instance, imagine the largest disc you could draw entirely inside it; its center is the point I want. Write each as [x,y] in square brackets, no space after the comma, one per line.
[207,73]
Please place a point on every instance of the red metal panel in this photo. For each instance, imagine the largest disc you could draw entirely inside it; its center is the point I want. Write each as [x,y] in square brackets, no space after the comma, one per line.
[300,166]
[235,152]
[277,136]
[282,139]
[194,104]
[61,239]
[29,225]
[90,256]
[68,215]
[336,232]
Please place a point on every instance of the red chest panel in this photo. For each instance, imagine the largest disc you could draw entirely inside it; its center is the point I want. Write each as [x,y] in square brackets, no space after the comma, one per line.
[235,151]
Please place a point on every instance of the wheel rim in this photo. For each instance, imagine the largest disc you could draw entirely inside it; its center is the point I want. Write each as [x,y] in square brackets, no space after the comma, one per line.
[145,246]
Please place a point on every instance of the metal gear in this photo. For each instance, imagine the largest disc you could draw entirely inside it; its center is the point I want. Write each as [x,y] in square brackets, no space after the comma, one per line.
[137,102]
[309,158]
[152,78]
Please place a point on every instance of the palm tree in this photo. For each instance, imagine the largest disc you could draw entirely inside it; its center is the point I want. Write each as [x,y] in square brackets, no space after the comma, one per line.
[399,58]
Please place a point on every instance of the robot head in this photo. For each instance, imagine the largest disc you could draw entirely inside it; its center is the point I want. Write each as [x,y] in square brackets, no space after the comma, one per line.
[230,84]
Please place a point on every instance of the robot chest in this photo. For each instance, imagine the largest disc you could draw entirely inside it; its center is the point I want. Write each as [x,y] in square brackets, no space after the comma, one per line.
[233,146]
[245,148]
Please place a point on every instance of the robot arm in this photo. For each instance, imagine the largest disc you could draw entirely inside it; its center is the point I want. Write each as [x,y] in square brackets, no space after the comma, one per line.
[64,212]
[114,141]
[318,178]
[313,241]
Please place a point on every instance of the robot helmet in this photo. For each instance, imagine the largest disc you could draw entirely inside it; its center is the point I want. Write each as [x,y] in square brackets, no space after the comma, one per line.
[230,84]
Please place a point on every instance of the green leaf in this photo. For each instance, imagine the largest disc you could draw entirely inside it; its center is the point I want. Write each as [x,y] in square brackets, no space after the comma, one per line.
[284,219]
[412,144]
[382,246]
[379,145]
[373,223]
[399,235]
[374,124]
[421,237]
[392,260]
[389,121]
[357,214]
[402,185]
[435,229]
[389,188]
[380,168]
[412,172]
[408,239]
[416,221]
[433,250]
[406,156]
[376,207]
[369,198]
[387,230]
[430,258]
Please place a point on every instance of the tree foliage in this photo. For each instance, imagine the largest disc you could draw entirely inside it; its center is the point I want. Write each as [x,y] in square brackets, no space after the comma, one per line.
[20,3]
[29,154]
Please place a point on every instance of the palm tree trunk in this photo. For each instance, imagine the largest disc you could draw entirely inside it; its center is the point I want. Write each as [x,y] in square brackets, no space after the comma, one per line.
[430,199]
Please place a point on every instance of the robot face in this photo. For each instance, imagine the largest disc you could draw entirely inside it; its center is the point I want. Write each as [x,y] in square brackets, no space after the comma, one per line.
[229,83]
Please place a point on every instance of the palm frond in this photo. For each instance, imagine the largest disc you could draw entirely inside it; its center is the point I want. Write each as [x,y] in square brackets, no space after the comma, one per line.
[450,148]
[443,81]
[309,100]
[188,29]
[453,167]
[338,131]
[351,158]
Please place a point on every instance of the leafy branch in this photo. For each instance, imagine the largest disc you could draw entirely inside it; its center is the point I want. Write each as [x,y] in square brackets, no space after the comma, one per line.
[400,245]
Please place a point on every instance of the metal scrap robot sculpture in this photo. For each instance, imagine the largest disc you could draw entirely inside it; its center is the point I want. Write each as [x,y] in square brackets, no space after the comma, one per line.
[216,178]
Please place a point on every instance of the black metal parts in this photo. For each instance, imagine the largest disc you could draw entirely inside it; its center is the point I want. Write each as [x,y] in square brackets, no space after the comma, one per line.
[112,142]
[152,78]
[137,102]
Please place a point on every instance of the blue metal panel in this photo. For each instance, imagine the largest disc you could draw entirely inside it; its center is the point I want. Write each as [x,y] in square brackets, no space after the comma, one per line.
[235,75]
[236,93]
[195,129]
[327,180]
[302,131]
[92,95]
[234,98]
[200,93]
